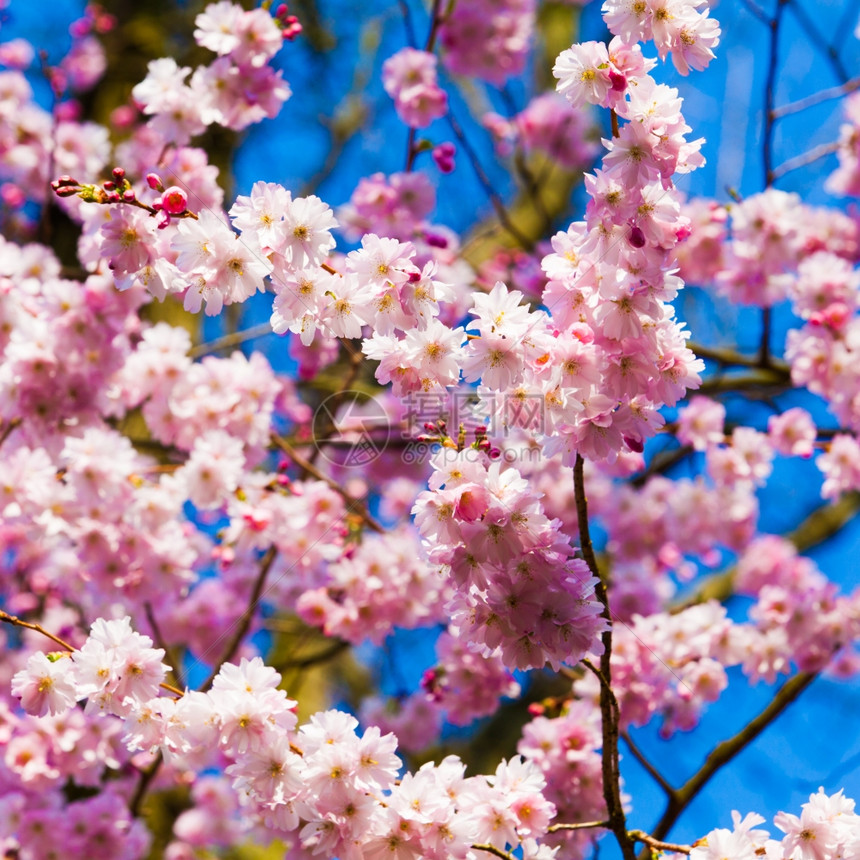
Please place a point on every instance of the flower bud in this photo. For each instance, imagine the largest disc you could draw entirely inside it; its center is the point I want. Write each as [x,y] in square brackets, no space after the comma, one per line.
[636,237]
[174,200]
[153,180]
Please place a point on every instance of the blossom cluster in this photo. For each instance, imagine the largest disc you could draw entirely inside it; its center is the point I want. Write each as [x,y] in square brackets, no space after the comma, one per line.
[198,509]
[237,89]
[518,586]
[342,791]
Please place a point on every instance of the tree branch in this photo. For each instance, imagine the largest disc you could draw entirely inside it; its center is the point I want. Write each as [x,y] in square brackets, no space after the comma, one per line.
[642,836]
[582,825]
[233,339]
[244,623]
[609,710]
[655,774]
[356,506]
[724,752]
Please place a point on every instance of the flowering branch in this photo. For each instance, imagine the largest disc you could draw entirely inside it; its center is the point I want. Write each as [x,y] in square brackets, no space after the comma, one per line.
[354,505]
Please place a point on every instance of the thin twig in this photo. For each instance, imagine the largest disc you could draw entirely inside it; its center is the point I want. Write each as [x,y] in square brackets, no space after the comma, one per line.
[484,181]
[18,622]
[322,656]
[491,849]
[817,98]
[6,432]
[655,774]
[724,752]
[406,12]
[244,623]
[814,35]
[757,11]
[642,836]
[229,340]
[582,825]
[806,158]
[172,658]
[354,505]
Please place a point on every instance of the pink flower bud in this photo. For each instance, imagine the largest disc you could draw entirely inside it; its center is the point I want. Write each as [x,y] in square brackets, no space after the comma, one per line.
[436,241]
[619,82]
[443,156]
[13,196]
[78,29]
[636,445]
[123,117]
[153,180]
[174,200]
[636,237]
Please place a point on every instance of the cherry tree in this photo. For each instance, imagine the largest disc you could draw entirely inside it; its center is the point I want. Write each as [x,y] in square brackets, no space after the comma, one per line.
[249,440]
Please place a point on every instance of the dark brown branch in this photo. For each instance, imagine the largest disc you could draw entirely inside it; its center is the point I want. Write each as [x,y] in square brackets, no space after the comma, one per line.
[609,710]
[724,752]
[655,774]
[642,836]
[6,432]
[144,781]
[356,506]
[244,623]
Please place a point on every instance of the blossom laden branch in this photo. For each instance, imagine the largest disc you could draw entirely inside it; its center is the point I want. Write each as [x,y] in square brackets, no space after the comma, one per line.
[356,506]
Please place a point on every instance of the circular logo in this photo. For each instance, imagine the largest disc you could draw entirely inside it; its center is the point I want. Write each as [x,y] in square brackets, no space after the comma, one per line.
[351,429]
